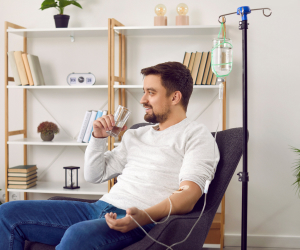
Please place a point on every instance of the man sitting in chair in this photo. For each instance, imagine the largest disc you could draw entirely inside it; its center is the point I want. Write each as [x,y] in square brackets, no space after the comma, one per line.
[159,167]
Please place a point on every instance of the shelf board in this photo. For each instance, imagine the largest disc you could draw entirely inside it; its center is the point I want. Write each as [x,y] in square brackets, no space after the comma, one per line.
[60,32]
[185,30]
[55,142]
[57,188]
[140,87]
[58,87]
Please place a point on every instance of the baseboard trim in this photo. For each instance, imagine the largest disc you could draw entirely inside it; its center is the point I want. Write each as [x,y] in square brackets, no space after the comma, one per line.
[212,246]
[232,240]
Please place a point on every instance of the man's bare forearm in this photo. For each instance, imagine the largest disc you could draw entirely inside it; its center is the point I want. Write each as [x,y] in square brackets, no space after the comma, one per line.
[182,203]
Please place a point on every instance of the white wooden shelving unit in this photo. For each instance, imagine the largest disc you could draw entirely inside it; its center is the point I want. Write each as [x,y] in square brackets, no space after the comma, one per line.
[47,187]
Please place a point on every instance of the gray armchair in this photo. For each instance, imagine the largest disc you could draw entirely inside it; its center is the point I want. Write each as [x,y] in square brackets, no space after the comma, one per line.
[230,143]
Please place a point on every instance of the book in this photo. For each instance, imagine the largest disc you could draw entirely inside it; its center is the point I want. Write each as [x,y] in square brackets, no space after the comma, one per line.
[84,125]
[90,126]
[22,186]
[18,174]
[25,178]
[209,77]
[36,70]
[22,182]
[21,68]
[104,112]
[196,66]
[192,60]
[99,114]
[214,80]
[201,68]
[22,168]
[14,68]
[27,68]
[207,68]
[186,59]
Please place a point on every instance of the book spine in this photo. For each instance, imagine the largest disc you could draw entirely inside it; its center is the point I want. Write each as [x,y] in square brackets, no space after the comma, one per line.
[191,62]
[14,68]
[27,68]
[207,68]
[84,125]
[89,127]
[40,72]
[21,68]
[33,69]
[20,182]
[99,114]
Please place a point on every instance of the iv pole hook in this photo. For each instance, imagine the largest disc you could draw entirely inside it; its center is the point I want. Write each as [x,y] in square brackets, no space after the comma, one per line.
[263,10]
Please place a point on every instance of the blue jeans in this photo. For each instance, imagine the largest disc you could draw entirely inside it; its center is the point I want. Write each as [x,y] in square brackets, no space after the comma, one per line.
[64,224]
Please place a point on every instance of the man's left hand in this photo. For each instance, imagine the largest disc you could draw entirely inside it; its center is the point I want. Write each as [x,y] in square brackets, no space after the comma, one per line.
[127,223]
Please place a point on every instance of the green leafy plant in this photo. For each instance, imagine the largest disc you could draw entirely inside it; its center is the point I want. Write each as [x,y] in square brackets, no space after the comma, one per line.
[48,128]
[297,170]
[59,5]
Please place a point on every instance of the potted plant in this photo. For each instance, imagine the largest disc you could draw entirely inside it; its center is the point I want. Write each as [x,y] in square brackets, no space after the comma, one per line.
[297,170]
[61,20]
[47,130]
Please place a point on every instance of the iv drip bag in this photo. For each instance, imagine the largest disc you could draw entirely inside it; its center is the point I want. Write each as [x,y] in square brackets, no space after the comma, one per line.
[221,57]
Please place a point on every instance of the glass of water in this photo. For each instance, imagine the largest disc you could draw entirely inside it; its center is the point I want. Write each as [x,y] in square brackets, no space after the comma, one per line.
[120,117]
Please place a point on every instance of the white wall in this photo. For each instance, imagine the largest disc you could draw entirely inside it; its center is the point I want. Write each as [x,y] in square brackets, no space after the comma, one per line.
[273,116]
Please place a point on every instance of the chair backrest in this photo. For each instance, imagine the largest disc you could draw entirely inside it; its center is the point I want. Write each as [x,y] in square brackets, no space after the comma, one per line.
[230,144]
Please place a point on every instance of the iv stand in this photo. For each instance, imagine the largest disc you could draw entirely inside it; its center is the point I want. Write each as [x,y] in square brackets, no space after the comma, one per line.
[243,176]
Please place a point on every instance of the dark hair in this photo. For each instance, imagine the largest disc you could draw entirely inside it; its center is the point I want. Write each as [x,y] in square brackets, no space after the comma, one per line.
[174,77]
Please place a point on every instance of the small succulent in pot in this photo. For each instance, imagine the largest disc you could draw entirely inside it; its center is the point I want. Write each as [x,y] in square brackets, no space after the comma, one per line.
[47,130]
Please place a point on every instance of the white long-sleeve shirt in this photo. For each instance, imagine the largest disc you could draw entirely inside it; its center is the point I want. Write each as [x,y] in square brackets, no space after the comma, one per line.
[150,164]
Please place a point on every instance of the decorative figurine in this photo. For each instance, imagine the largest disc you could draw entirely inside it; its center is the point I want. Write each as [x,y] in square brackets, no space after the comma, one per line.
[182,18]
[160,19]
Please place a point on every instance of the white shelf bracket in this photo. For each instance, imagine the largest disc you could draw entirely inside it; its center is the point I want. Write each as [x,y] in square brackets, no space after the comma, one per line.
[40,176]
[72,39]
[207,106]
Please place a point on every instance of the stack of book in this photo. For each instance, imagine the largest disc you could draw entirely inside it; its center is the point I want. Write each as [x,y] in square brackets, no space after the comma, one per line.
[26,68]
[87,124]
[199,65]
[22,176]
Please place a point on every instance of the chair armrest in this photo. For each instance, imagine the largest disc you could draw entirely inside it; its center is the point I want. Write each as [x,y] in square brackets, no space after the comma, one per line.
[175,230]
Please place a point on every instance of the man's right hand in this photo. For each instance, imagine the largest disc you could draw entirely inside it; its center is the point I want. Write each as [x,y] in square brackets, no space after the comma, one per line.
[103,124]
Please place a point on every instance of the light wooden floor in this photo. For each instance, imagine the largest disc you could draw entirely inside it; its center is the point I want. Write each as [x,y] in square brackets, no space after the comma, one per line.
[252,248]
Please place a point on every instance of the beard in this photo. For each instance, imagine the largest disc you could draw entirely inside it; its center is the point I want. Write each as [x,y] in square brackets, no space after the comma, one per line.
[158,118]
